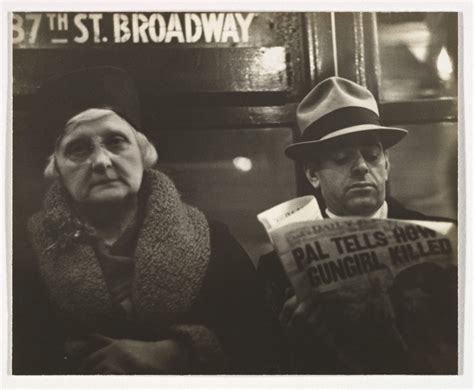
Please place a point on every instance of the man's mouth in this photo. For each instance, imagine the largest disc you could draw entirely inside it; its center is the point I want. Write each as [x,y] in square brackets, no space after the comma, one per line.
[361,186]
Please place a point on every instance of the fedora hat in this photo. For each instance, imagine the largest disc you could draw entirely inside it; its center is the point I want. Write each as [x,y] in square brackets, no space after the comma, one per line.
[335,108]
[63,96]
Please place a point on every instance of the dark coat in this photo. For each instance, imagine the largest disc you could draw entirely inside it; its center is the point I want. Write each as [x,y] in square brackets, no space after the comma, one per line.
[305,357]
[197,285]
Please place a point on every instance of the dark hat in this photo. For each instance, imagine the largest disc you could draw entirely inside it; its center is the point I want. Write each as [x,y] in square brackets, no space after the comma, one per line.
[62,97]
[335,108]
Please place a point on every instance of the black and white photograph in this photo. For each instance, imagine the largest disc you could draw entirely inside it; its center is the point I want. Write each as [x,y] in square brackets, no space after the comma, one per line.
[235,192]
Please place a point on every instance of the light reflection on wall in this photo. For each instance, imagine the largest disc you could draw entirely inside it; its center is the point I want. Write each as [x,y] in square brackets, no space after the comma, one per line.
[273,59]
[243,164]
[444,65]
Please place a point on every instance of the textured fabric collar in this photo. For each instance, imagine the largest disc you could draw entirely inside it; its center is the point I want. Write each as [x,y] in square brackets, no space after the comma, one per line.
[171,257]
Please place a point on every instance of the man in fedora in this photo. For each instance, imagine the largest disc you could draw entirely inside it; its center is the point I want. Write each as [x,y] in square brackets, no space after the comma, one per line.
[343,149]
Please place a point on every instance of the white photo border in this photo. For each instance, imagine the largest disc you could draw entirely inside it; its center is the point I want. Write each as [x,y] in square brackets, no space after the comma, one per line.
[466,224]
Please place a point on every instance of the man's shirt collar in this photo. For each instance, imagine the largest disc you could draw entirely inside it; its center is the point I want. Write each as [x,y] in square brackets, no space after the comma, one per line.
[380,213]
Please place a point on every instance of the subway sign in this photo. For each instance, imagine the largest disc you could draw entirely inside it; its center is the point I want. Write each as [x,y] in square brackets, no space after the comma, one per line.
[57,29]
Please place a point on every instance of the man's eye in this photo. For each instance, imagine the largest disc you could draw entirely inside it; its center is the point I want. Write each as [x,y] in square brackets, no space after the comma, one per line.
[371,155]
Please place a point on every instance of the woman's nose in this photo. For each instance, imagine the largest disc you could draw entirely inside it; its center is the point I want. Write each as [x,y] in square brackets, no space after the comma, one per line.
[100,159]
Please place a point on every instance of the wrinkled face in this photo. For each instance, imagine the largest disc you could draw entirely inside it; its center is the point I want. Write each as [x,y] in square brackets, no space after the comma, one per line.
[98,158]
[352,177]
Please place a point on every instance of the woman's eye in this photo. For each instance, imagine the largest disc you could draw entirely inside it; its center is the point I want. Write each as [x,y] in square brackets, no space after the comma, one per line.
[78,150]
[340,158]
[116,141]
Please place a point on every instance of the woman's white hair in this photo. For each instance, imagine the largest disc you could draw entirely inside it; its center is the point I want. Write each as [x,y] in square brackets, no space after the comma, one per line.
[147,149]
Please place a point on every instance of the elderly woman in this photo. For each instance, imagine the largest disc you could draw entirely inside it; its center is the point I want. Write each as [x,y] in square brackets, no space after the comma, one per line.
[139,282]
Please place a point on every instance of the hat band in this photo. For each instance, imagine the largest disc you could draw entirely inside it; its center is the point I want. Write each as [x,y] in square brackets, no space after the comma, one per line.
[337,120]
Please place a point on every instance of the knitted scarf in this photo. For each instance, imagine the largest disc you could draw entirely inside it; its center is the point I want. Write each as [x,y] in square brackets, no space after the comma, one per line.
[171,257]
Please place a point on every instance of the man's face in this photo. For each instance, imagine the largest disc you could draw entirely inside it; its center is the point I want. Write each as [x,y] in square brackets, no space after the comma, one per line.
[352,176]
[98,158]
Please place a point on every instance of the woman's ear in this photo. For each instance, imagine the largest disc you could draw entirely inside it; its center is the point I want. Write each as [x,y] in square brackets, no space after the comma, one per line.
[312,175]
[147,149]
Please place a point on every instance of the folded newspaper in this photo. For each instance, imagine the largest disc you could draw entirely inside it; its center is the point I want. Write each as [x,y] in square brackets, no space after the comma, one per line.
[381,284]
[321,255]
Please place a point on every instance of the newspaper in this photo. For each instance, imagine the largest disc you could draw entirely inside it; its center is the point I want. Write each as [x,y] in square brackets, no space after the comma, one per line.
[304,208]
[385,290]
[321,255]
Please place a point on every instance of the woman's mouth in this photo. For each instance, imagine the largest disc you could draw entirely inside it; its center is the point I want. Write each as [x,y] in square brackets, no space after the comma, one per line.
[104,182]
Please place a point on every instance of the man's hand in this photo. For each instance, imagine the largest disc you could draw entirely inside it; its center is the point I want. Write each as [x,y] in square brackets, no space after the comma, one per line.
[304,323]
[126,356]
[350,331]
[304,316]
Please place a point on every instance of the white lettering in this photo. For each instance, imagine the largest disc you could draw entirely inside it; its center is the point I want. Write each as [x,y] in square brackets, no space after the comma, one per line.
[174,29]
[189,19]
[62,22]
[208,27]
[230,29]
[18,34]
[244,25]
[139,26]
[121,30]
[78,21]
[212,26]
[51,19]
[36,18]
[96,18]
[162,29]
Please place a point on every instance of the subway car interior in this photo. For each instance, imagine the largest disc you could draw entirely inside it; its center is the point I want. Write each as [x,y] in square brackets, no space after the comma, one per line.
[219,91]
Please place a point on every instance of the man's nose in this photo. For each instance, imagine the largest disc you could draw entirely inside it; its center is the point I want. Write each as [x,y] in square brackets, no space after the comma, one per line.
[359,165]
[100,159]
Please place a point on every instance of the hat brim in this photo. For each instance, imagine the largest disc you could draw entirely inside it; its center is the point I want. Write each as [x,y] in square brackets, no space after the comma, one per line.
[389,136]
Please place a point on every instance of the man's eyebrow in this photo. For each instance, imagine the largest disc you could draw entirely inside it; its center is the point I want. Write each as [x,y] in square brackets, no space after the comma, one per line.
[372,145]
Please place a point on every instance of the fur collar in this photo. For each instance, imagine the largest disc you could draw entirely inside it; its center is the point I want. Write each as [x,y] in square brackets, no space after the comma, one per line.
[171,257]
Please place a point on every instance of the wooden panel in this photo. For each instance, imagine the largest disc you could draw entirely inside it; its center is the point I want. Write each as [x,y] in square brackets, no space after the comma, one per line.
[222,117]
[179,113]
[371,62]
[348,46]
[162,71]
[320,46]
[420,111]
[357,48]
